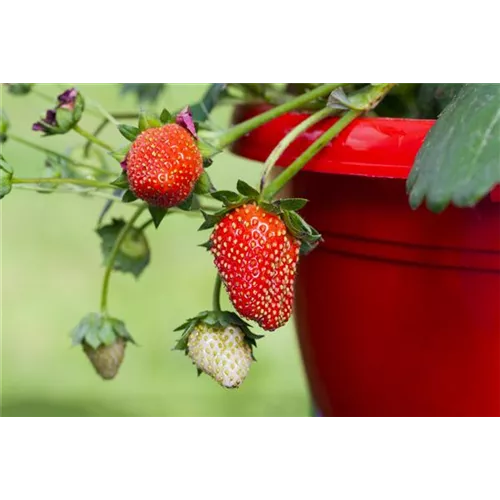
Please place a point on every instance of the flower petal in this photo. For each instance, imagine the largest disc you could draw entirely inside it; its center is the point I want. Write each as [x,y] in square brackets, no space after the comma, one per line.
[185,119]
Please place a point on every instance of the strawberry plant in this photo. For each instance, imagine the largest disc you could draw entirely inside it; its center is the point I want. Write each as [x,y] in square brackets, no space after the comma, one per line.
[257,236]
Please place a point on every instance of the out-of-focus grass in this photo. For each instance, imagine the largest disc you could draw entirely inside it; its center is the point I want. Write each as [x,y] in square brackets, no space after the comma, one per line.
[51,277]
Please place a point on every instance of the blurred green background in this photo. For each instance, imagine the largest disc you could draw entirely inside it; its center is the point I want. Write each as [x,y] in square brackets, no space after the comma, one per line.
[51,277]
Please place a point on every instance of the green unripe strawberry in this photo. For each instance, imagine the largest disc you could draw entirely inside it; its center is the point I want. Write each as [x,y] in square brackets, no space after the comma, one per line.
[106,359]
[103,340]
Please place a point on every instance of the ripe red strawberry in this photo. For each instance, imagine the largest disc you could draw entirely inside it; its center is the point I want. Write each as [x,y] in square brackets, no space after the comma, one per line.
[163,165]
[257,257]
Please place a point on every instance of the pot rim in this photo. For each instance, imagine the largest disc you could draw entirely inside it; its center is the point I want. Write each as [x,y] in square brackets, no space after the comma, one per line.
[376,147]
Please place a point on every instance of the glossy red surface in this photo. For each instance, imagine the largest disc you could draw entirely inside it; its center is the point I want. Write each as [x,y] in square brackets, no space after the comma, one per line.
[375,147]
[398,311]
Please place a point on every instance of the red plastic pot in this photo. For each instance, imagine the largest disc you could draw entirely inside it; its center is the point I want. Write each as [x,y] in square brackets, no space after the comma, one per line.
[398,311]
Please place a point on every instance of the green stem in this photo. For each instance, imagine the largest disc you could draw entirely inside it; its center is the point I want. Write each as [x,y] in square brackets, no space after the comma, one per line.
[50,152]
[362,102]
[279,183]
[97,131]
[112,257]
[146,224]
[103,111]
[216,295]
[92,138]
[89,193]
[288,139]
[63,180]
[104,122]
[243,128]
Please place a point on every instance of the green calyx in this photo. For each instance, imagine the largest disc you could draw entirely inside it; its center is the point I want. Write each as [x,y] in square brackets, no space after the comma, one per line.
[214,319]
[6,173]
[152,120]
[97,329]
[285,208]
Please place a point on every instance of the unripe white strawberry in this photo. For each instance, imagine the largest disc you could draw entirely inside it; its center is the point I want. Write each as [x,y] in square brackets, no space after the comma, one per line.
[222,353]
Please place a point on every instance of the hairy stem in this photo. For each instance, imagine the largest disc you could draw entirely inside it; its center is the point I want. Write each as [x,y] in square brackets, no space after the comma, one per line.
[216,295]
[112,257]
[288,139]
[92,138]
[243,128]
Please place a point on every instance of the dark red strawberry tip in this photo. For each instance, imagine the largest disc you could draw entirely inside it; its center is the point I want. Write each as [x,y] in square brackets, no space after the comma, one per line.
[185,120]
[256,258]
[163,165]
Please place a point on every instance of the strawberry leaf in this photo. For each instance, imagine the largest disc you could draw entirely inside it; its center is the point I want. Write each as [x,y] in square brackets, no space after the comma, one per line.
[166,117]
[270,207]
[301,230]
[120,329]
[120,154]
[187,328]
[291,203]
[206,149]
[231,318]
[95,329]
[191,203]
[207,245]
[228,197]
[133,255]
[88,323]
[157,214]
[212,219]
[202,109]
[148,120]
[203,184]
[92,339]
[459,161]
[296,224]
[129,132]
[247,190]
[106,334]
[121,181]
[128,196]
